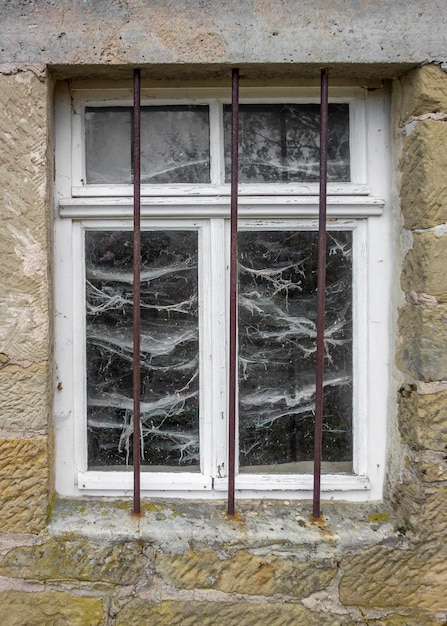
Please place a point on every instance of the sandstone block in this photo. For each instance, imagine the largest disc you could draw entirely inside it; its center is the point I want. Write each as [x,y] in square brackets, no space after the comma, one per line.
[412,618]
[383,577]
[424,90]
[75,559]
[433,523]
[49,609]
[433,466]
[424,268]
[25,219]
[422,352]
[25,396]
[211,613]
[245,573]
[424,184]
[24,484]
[423,419]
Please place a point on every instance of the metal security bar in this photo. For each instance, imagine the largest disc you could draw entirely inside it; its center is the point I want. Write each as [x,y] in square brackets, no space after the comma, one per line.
[318,432]
[136,290]
[233,356]
[233,290]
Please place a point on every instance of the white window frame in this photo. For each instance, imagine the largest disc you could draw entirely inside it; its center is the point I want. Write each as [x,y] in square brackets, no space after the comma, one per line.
[361,205]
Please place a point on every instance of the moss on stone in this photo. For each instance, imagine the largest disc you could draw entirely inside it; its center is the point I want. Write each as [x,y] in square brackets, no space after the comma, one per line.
[76,559]
[19,608]
[378,517]
[211,613]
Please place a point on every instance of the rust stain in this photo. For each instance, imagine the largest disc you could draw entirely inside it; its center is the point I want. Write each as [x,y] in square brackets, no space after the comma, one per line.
[235,518]
[322,525]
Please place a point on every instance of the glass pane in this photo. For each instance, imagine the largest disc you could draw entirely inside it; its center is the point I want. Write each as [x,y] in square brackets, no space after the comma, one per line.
[174,144]
[169,349]
[108,137]
[281,143]
[277,345]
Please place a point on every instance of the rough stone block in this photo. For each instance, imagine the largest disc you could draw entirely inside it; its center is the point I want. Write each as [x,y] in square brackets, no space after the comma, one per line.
[424,90]
[424,268]
[76,559]
[211,613]
[422,352]
[410,618]
[423,419]
[246,573]
[25,219]
[24,485]
[432,525]
[382,577]
[424,183]
[433,466]
[18,608]
[25,397]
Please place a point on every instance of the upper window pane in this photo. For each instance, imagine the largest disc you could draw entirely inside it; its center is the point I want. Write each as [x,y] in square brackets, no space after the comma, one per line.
[281,143]
[175,144]
[108,135]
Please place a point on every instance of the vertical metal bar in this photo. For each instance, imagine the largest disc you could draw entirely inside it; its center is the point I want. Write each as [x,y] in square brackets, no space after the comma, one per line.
[318,433]
[232,388]
[136,291]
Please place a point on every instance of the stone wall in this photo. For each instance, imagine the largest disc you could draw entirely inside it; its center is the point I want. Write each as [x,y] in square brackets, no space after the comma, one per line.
[183,563]
[90,562]
[25,313]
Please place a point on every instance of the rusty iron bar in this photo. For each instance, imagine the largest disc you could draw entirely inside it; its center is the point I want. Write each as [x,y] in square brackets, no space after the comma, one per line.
[136,289]
[232,387]
[318,433]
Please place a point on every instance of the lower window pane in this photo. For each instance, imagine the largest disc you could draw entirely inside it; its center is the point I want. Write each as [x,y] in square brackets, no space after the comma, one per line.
[277,346]
[169,350]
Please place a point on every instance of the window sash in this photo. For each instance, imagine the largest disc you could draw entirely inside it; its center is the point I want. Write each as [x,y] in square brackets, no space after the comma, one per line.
[213,293]
[215,99]
[79,205]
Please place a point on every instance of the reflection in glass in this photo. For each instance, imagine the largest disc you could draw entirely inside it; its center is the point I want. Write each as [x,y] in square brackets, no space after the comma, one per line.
[281,143]
[277,346]
[175,145]
[169,349]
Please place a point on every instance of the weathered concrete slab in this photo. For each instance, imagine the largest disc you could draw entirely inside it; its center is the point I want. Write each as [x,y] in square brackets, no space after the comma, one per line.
[224,32]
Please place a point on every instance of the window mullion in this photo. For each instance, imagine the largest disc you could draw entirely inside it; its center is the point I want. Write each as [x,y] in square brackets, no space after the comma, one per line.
[215,366]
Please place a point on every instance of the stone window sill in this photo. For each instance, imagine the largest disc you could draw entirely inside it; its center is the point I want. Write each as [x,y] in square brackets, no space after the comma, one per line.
[180,525]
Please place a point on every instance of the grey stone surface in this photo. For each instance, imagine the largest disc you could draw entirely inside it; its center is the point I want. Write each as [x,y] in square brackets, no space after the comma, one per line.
[260,526]
[386,33]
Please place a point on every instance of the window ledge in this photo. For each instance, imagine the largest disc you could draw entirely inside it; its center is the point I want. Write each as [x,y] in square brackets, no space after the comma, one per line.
[265,525]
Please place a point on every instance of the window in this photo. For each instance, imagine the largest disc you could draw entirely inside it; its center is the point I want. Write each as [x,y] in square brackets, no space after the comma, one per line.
[185,242]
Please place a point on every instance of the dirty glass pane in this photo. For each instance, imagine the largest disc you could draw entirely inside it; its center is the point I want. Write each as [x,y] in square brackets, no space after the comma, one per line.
[169,349]
[174,144]
[281,143]
[277,345]
[108,145]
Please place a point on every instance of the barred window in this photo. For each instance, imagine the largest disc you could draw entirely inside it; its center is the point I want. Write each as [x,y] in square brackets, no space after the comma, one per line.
[185,176]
